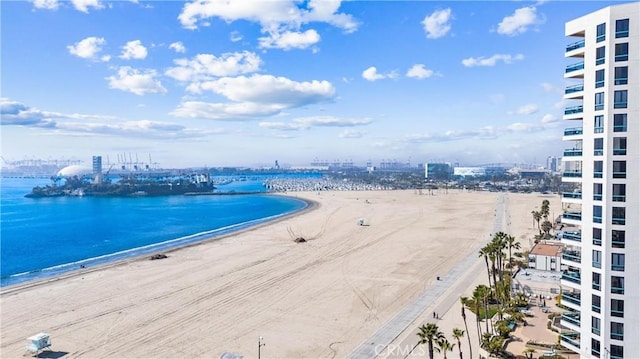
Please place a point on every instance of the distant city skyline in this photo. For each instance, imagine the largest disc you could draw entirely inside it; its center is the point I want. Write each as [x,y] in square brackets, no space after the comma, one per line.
[211,83]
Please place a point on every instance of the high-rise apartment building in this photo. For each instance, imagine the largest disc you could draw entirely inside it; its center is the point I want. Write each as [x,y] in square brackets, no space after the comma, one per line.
[601,281]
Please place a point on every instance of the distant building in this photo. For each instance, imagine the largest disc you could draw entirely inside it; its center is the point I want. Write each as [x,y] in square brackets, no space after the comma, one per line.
[546,257]
[469,171]
[552,163]
[97,169]
[437,171]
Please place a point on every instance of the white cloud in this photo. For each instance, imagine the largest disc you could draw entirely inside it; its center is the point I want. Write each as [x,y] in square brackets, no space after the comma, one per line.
[178,47]
[254,96]
[549,118]
[527,109]
[206,66]
[519,22]
[352,134]
[371,74]
[136,81]
[46,4]
[84,5]
[437,24]
[418,71]
[305,123]
[270,89]
[280,20]
[491,61]
[235,36]
[89,48]
[133,50]
[285,13]
[289,40]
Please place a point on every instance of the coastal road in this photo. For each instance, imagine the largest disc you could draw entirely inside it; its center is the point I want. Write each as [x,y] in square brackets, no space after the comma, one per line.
[445,292]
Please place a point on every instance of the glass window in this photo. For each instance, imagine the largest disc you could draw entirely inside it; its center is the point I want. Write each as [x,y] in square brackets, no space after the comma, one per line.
[597,214]
[617,285]
[620,122]
[618,214]
[599,101]
[600,54]
[617,331]
[598,145]
[601,32]
[596,258]
[597,169]
[595,325]
[622,28]
[617,308]
[619,192]
[598,124]
[619,146]
[597,191]
[597,236]
[620,75]
[622,52]
[616,351]
[599,78]
[619,99]
[595,281]
[595,347]
[619,169]
[617,261]
[617,239]
[595,303]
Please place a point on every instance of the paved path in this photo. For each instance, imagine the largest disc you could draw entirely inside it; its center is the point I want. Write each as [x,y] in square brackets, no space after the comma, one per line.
[458,279]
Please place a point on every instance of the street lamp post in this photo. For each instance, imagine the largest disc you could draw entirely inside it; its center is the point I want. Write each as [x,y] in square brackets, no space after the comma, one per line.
[260,345]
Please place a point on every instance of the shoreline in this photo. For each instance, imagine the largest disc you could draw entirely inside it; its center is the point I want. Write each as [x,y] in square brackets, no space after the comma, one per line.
[142,253]
[322,298]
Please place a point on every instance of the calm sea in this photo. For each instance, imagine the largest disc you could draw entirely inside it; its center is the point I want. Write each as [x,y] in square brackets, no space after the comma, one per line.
[42,237]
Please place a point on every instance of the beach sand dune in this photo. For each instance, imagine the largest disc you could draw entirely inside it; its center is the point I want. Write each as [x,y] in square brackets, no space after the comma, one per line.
[318,299]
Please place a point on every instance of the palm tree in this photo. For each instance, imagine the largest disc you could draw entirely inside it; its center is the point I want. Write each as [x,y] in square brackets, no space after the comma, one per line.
[457,334]
[484,252]
[544,210]
[511,244]
[444,346]
[463,301]
[546,228]
[482,292]
[537,216]
[529,353]
[429,333]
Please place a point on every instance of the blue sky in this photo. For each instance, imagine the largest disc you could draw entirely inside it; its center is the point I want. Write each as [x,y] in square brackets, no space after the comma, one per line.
[246,83]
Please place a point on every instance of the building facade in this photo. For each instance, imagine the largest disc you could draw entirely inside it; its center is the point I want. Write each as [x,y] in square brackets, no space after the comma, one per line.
[601,283]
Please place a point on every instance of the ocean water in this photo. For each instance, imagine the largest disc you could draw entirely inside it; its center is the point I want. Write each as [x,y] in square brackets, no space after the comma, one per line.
[42,237]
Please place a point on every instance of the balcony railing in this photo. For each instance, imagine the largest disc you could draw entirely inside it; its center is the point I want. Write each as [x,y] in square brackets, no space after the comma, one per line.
[571,297]
[618,220]
[622,33]
[597,219]
[619,174]
[572,339]
[617,290]
[574,195]
[574,89]
[571,317]
[574,46]
[620,128]
[574,278]
[597,174]
[572,215]
[573,131]
[619,197]
[617,336]
[617,243]
[598,129]
[573,110]
[574,67]
[619,151]
[620,104]
[572,236]
[617,267]
[620,81]
[573,152]
[572,256]
[572,174]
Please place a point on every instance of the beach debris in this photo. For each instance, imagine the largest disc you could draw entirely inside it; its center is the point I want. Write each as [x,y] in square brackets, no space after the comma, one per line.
[300,240]
[158,256]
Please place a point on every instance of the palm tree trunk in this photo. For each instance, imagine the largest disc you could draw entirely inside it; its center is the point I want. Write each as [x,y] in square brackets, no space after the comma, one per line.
[466,328]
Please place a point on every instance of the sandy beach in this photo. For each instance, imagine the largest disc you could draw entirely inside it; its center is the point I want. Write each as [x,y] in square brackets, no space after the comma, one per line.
[319,299]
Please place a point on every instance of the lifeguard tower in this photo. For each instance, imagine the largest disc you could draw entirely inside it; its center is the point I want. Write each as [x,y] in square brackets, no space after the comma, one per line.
[38,343]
